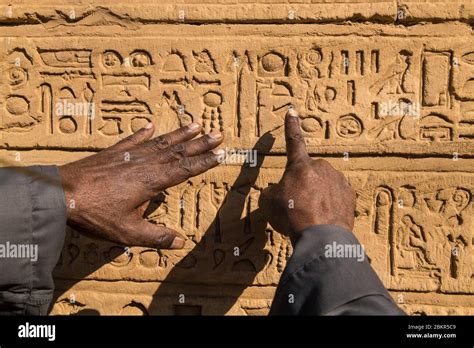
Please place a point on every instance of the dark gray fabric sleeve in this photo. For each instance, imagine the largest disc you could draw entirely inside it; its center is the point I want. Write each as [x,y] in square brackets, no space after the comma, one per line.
[317,281]
[32,231]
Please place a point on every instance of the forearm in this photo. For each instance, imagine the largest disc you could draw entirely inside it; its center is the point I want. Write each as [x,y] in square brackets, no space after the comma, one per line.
[33,222]
[328,273]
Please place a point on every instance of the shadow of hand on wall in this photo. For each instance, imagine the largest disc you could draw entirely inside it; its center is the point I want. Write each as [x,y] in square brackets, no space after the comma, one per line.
[212,276]
[208,279]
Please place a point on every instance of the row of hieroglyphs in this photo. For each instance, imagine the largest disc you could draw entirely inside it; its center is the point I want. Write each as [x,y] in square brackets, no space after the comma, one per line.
[416,228]
[397,95]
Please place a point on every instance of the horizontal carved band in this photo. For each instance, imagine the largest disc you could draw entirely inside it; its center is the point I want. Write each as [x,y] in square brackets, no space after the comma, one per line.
[416,228]
[394,95]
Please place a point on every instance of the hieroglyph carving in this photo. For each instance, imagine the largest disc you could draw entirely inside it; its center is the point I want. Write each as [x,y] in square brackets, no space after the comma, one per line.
[398,95]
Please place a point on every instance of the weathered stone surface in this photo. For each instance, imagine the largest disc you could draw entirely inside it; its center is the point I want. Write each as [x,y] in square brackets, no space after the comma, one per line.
[63,13]
[390,105]
[416,10]
[416,228]
[357,94]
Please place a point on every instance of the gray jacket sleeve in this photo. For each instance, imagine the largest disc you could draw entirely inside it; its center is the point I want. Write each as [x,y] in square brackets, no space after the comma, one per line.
[328,274]
[32,231]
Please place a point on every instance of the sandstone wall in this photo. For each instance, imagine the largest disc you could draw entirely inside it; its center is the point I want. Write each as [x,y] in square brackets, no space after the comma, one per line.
[386,90]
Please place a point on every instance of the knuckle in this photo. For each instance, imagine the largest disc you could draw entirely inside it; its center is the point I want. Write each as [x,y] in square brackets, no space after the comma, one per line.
[133,140]
[178,148]
[297,137]
[325,165]
[321,162]
[160,142]
[178,151]
[162,239]
[300,167]
[182,132]
[201,144]
[205,141]
[186,164]
[296,164]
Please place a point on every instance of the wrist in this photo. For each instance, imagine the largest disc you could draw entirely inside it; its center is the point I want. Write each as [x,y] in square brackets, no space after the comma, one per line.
[301,228]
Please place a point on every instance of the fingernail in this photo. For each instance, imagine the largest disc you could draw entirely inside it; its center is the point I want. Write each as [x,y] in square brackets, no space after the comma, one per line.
[194,126]
[220,153]
[215,135]
[292,112]
[149,126]
[178,243]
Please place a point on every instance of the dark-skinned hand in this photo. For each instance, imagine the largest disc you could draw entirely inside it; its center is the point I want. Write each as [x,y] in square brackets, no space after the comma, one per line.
[311,192]
[108,193]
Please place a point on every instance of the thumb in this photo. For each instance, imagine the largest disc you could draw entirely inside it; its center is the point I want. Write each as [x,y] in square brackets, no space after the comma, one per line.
[144,233]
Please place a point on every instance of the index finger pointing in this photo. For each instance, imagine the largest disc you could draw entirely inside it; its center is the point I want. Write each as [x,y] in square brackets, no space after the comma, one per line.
[295,145]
